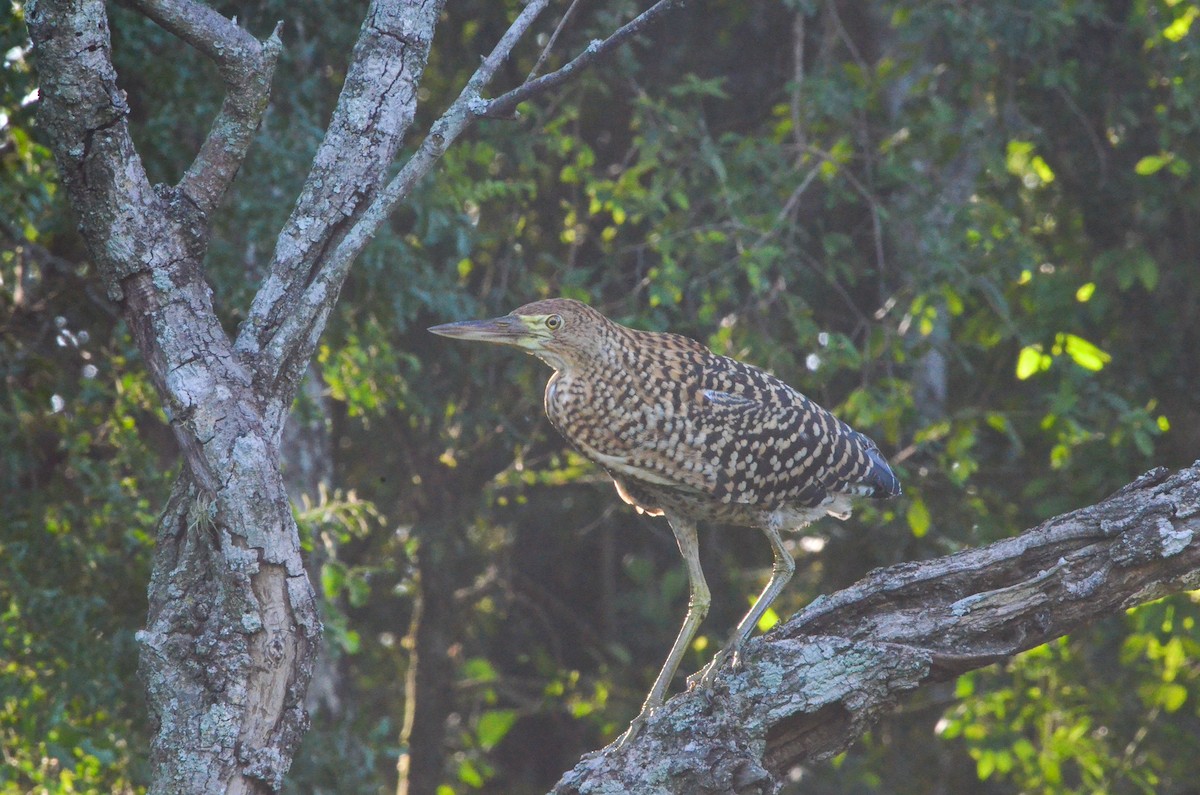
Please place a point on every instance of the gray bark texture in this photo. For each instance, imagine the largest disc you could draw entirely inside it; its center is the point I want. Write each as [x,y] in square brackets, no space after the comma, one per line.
[233,629]
[814,684]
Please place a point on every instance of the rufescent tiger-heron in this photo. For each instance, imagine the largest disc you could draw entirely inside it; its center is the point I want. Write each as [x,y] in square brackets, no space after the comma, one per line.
[691,435]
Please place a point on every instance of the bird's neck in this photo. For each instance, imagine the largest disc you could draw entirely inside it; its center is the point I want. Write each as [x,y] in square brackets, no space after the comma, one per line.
[555,361]
[603,356]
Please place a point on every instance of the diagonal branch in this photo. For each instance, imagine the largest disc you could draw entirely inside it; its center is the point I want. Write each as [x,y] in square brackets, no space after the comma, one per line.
[374,111]
[815,684]
[297,334]
[246,66]
[505,105]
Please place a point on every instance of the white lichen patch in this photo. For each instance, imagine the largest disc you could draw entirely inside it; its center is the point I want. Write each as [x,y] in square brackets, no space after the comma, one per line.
[251,622]
[1174,540]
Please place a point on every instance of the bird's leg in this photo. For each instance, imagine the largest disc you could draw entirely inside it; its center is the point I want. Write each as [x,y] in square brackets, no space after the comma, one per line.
[781,572]
[685,535]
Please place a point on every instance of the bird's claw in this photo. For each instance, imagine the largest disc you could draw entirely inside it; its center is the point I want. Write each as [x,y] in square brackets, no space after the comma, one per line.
[635,728]
[706,676]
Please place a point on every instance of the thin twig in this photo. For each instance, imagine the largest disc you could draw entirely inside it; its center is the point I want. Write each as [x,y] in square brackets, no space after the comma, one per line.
[503,106]
[562,23]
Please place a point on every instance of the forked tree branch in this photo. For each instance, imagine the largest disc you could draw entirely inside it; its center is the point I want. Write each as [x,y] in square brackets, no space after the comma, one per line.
[505,105]
[225,682]
[297,334]
[375,109]
[246,66]
[812,686]
[298,331]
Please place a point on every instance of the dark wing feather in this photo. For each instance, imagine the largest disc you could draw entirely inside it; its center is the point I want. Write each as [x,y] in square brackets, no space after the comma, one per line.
[782,447]
[713,427]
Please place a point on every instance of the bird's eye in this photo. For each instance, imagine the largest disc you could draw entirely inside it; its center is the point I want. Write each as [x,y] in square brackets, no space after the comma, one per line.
[554,322]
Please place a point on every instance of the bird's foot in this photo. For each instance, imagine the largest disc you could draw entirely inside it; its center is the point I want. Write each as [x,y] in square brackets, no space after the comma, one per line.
[704,678]
[635,728]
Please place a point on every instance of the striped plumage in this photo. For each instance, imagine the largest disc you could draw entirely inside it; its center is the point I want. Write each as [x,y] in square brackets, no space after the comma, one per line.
[693,435]
[681,428]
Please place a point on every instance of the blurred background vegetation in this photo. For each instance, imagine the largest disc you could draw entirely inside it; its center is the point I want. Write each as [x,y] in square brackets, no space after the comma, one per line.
[970,229]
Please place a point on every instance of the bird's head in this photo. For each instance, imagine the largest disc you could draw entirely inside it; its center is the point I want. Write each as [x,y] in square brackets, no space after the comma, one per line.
[561,332]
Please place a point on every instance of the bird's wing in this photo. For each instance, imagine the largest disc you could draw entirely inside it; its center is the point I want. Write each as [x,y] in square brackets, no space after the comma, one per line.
[653,445]
[769,444]
[735,434]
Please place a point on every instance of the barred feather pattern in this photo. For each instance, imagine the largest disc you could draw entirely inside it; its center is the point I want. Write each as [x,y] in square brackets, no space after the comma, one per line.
[683,430]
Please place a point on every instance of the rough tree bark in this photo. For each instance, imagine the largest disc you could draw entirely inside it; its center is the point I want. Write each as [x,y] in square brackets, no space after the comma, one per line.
[233,629]
[812,686]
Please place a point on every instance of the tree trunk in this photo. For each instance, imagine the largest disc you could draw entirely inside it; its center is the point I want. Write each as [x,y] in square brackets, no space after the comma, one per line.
[233,629]
[429,682]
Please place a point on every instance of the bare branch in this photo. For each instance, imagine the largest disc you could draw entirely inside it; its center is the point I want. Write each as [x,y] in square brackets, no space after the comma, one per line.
[562,24]
[376,107]
[246,66]
[297,333]
[296,337]
[814,685]
[505,105]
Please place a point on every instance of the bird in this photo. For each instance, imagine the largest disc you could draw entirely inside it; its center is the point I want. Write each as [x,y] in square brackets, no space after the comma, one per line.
[691,435]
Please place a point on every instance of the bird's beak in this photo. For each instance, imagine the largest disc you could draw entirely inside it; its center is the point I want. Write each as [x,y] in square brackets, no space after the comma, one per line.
[507,330]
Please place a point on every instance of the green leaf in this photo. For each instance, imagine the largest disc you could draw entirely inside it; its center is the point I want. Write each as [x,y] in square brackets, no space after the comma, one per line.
[1042,169]
[358,590]
[1179,28]
[333,578]
[1029,361]
[1083,353]
[1171,696]
[479,669]
[985,766]
[469,774]
[918,517]
[493,725]
[1085,292]
[1151,164]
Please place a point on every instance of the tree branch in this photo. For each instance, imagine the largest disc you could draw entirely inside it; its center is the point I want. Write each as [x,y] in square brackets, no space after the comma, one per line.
[246,66]
[228,648]
[375,108]
[545,56]
[297,334]
[815,684]
[503,106]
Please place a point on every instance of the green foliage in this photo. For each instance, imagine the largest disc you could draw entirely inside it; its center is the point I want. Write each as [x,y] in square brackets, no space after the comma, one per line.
[965,228]
[78,536]
[1089,714]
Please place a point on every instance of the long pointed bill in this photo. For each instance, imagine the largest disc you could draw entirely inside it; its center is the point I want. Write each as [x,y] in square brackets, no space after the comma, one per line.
[507,330]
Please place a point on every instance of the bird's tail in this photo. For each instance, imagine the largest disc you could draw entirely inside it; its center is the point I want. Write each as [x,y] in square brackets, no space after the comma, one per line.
[881,477]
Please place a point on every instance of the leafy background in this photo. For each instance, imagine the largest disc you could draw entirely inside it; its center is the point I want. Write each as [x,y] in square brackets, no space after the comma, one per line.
[970,229]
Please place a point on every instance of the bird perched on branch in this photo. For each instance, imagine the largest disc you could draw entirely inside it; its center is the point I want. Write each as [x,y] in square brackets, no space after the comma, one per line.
[691,435]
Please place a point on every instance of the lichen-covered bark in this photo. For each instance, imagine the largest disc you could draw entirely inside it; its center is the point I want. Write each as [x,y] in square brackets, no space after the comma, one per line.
[228,647]
[233,630]
[813,685]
